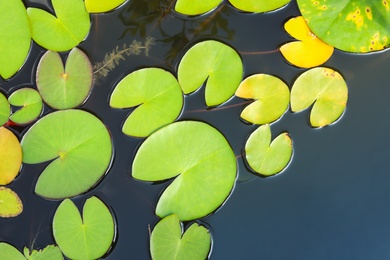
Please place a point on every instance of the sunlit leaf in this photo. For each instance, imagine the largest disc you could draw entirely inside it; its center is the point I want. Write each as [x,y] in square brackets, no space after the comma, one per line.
[309,51]
[325,88]
[31,105]
[102,6]
[158,96]
[349,25]
[68,87]
[50,252]
[258,6]
[79,149]
[202,160]
[196,7]
[10,204]
[61,32]
[215,62]
[8,252]
[266,157]
[271,94]
[168,241]
[86,237]
[15,37]
[10,156]
[5,110]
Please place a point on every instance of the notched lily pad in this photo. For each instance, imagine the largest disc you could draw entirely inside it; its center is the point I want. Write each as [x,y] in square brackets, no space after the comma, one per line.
[102,6]
[31,105]
[195,7]
[258,6]
[50,252]
[5,109]
[10,156]
[10,204]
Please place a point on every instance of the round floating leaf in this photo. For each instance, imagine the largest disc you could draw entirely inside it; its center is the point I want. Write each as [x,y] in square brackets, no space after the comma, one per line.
[326,88]
[196,7]
[15,37]
[10,205]
[349,25]
[31,103]
[158,95]
[86,237]
[265,157]
[10,156]
[50,252]
[102,6]
[271,94]
[68,87]
[78,146]
[64,31]
[168,241]
[309,51]
[215,62]
[5,110]
[8,252]
[258,6]
[202,159]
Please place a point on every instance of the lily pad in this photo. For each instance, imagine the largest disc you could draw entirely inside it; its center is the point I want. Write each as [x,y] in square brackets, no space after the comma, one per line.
[10,156]
[10,204]
[102,6]
[168,241]
[68,87]
[31,103]
[50,252]
[78,146]
[271,94]
[195,7]
[258,6]
[15,37]
[201,160]
[5,110]
[9,252]
[349,25]
[215,62]
[86,237]
[309,51]
[158,96]
[265,157]
[64,31]
[325,88]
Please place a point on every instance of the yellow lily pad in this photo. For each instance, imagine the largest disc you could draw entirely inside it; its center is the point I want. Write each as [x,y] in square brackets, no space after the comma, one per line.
[10,156]
[102,6]
[10,203]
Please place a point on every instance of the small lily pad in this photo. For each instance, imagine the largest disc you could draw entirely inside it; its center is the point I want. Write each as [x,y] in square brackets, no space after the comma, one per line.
[215,62]
[64,31]
[202,160]
[50,252]
[10,204]
[265,157]
[9,252]
[31,103]
[195,7]
[325,88]
[78,146]
[102,6]
[258,6]
[271,94]
[10,156]
[86,237]
[158,96]
[168,241]
[5,110]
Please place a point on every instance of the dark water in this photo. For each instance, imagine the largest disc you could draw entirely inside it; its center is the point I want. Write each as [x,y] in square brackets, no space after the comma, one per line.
[332,202]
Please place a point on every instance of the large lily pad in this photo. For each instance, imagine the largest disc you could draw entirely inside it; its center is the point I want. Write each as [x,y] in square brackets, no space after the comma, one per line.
[215,62]
[50,252]
[78,146]
[61,32]
[168,241]
[102,6]
[10,156]
[68,87]
[10,204]
[31,105]
[9,252]
[5,110]
[15,37]
[349,25]
[158,96]
[86,237]
[258,6]
[271,94]
[325,88]
[202,160]
[196,7]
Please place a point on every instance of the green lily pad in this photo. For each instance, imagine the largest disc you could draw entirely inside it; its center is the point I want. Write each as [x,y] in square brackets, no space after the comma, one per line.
[64,31]
[265,157]
[9,252]
[15,37]
[349,25]
[5,110]
[79,147]
[102,6]
[31,103]
[10,156]
[202,160]
[325,88]
[195,7]
[271,94]
[258,6]
[68,87]
[168,241]
[158,96]
[215,62]
[86,237]
[10,204]
[50,252]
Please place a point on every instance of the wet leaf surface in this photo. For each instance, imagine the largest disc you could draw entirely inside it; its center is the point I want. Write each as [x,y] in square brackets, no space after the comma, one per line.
[31,105]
